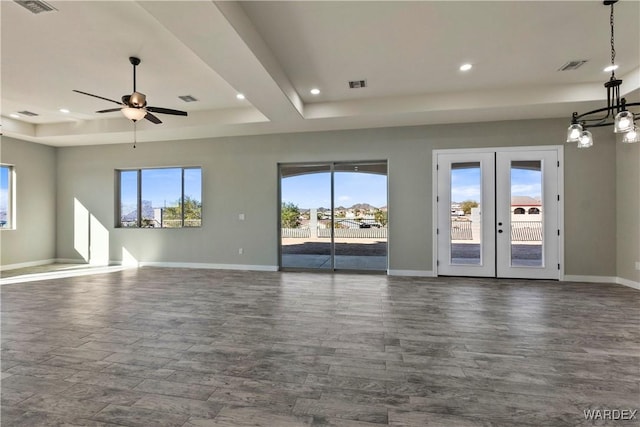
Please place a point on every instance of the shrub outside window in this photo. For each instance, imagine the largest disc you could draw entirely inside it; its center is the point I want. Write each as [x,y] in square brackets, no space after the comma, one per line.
[160,197]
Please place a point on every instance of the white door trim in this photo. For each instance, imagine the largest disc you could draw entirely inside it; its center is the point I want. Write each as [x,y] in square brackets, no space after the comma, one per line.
[559,149]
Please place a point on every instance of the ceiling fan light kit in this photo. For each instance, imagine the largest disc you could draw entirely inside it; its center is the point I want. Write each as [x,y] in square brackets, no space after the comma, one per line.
[134,114]
[616,111]
[134,107]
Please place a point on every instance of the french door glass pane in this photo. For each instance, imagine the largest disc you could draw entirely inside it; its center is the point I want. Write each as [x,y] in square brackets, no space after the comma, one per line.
[466,220]
[527,212]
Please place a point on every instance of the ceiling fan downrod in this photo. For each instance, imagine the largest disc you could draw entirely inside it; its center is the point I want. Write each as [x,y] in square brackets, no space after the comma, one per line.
[135,62]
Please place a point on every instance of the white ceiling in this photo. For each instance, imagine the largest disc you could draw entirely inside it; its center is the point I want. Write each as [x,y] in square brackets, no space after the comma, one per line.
[275,52]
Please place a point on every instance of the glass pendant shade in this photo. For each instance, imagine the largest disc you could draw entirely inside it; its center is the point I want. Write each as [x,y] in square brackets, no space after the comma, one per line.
[586,139]
[134,114]
[624,122]
[632,136]
[573,132]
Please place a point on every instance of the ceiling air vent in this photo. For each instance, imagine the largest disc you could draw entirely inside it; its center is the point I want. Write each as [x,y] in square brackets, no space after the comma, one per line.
[573,65]
[187,98]
[36,6]
[357,84]
[27,113]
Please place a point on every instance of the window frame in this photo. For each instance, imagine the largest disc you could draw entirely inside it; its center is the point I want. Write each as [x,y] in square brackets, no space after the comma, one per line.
[139,219]
[11,197]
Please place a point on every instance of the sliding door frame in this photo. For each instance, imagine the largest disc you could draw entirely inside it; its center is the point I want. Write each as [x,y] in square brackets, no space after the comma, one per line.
[332,254]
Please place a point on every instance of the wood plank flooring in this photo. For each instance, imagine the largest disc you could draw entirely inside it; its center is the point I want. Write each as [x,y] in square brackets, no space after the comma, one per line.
[179,347]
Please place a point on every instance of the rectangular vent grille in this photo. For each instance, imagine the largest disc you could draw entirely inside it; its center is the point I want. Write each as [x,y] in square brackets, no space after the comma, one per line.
[187,98]
[36,6]
[357,84]
[573,65]
[27,113]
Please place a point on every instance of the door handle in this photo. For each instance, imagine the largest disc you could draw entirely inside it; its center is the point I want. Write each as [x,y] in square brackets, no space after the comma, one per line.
[499,231]
[500,224]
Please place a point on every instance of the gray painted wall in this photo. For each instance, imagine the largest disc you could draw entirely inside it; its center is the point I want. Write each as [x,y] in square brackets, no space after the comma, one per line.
[628,211]
[240,175]
[34,239]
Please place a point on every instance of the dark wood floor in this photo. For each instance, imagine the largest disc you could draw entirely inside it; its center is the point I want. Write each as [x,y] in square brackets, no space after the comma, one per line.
[178,347]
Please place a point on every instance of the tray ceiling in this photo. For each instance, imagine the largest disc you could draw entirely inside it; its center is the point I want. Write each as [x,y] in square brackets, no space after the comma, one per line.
[274,53]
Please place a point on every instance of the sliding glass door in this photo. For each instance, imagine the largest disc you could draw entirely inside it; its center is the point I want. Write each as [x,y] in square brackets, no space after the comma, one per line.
[334,216]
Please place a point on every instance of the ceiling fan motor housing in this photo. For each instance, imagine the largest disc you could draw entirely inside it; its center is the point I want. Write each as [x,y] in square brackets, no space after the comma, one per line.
[137,100]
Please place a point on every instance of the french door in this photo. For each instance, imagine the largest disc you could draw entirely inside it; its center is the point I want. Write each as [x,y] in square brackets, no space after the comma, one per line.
[498,213]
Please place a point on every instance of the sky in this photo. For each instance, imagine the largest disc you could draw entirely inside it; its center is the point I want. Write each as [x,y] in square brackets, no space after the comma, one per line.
[4,188]
[465,184]
[314,190]
[163,187]
[160,186]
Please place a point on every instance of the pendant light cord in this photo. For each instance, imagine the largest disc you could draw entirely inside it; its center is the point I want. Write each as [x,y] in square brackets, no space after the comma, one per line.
[613,49]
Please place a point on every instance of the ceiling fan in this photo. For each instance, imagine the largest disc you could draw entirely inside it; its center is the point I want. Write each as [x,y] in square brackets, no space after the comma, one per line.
[134,106]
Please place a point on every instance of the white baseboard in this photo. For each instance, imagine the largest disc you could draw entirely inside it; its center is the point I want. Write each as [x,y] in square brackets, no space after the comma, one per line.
[178,265]
[589,279]
[70,261]
[414,273]
[244,267]
[27,264]
[602,279]
[627,282]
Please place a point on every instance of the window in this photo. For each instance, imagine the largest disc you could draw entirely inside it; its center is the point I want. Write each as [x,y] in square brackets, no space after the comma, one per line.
[534,211]
[160,198]
[6,197]
[518,211]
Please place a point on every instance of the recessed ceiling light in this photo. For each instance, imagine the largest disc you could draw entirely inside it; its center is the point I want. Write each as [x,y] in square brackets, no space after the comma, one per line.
[64,110]
[14,115]
[240,96]
[610,68]
[466,67]
[315,91]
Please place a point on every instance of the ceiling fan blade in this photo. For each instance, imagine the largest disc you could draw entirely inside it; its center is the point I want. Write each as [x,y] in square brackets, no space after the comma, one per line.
[96,96]
[166,111]
[109,110]
[152,118]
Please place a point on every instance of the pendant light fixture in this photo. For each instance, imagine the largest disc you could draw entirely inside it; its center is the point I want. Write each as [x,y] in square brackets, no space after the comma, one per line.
[615,112]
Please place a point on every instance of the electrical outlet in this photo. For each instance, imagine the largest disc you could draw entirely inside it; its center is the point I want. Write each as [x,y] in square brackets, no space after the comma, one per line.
[241,216]
[240,251]
[637,265]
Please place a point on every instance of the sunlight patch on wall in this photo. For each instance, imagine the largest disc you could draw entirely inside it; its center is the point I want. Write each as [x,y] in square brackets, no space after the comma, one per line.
[128,259]
[99,243]
[81,229]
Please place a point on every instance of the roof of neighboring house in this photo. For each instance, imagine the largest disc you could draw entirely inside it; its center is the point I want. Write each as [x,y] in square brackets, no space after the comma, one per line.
[525,201]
